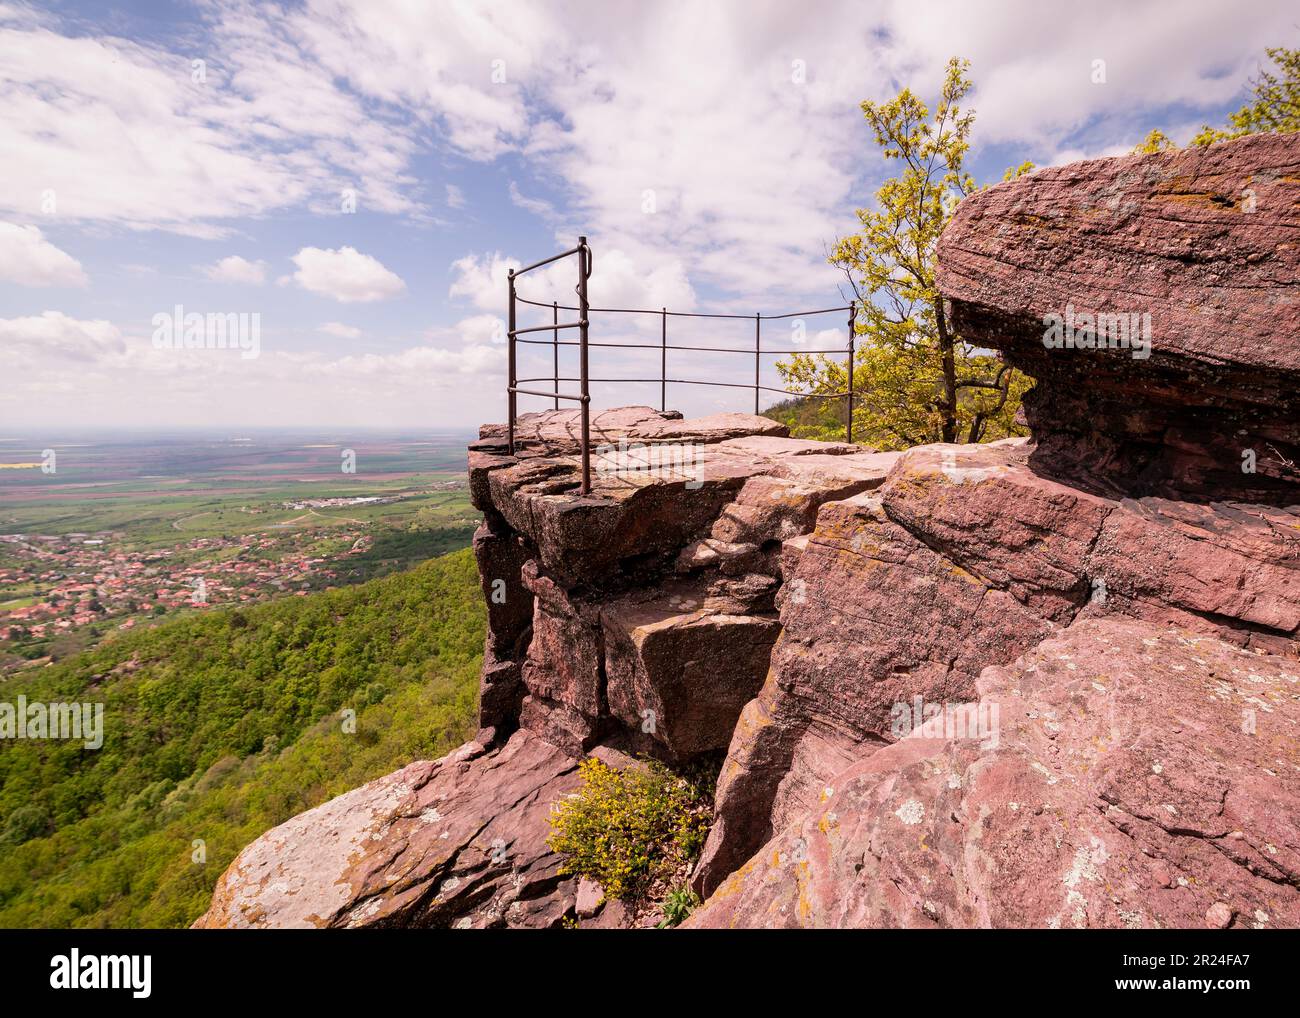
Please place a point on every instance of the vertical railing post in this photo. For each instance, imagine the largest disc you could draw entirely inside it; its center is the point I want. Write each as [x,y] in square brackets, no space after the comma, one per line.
[583,271]
[510,391]
[555,348]
[853,314]
[757,356]
[663,361]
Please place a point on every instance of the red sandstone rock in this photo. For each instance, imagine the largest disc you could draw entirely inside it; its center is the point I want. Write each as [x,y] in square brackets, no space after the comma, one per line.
[654,596]
[559,432]
[460,841]
[1099,803]
[679,671]
[500,559]
[966,558]
[1204,240]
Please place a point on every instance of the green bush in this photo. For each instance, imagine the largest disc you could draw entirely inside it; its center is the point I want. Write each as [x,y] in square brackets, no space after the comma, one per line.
[679,904]
[626,828]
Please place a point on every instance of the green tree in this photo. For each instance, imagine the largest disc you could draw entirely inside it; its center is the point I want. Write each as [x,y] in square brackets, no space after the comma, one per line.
[1275,105]
[915,379]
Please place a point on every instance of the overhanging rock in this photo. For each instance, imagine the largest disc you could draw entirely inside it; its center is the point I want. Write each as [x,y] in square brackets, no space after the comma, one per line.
[1202,245]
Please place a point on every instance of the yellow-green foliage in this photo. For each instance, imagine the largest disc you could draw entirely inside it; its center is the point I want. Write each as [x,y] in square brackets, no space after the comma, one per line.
[625,828]
[915,379]
[1156,141]
[1274,106]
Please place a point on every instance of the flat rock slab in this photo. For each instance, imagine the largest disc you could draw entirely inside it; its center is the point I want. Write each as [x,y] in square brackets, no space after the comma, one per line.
[459,841]
[657,483]
[559,432]
[1206,240]
[1126,775]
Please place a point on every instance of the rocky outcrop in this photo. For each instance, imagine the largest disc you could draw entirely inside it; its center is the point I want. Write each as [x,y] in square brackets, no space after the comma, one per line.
[967,558]
[1047,682]
[459,842]
[1203,246]
[654,597]
[1083,793]
[637,619]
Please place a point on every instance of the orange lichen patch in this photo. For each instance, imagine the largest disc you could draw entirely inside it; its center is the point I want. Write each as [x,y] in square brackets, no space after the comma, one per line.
[1032,220]
[733,884]
[1204,199]
[969,577]
[803,905]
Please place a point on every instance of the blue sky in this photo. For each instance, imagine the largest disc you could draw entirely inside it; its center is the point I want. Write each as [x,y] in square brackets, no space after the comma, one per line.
[208,155]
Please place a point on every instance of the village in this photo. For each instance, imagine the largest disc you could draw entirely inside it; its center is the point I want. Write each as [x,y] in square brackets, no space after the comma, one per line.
[68,581]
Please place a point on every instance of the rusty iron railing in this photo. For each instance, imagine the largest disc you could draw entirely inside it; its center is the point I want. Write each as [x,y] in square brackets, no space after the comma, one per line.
[583,342]
[513,333]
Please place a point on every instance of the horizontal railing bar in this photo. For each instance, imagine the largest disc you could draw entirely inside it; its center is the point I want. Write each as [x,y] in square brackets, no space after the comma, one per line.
[680,314]
[671,346]
[548,395]
[807,395]
[682,381]
[545,328]
[802,314]
[547,261]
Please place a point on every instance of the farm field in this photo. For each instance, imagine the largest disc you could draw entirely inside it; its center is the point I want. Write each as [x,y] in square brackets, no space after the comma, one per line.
[102,535]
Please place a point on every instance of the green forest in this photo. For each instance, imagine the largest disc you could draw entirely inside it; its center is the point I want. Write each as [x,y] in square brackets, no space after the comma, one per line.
[219,726]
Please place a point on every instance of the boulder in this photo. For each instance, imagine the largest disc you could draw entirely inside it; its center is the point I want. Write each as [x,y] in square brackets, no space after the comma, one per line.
[1119,774]
[679,669]
[1202,245]
[459,841]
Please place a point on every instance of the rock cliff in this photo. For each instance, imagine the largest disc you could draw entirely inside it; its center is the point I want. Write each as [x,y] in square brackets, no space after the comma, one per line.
[1047,682]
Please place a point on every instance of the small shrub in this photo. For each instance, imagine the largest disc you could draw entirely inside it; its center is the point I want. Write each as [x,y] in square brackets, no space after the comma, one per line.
[625,828]
[679,904]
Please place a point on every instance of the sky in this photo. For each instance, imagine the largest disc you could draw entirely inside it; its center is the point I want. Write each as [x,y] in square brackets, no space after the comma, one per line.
[361,174]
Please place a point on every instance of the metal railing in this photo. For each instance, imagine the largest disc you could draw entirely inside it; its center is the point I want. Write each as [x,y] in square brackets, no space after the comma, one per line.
[584,343]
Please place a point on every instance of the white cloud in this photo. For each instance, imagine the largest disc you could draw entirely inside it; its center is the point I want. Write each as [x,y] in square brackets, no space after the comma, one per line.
[61,369]
[482,281]
[422,365]
[234,269]
[27,258]
[60,337]
[536,206]
[1033,62]
[749,170]
[345,274]
[267,128]
[600,109]
[340,330]
[623,282]
[462,66]
[476,330]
